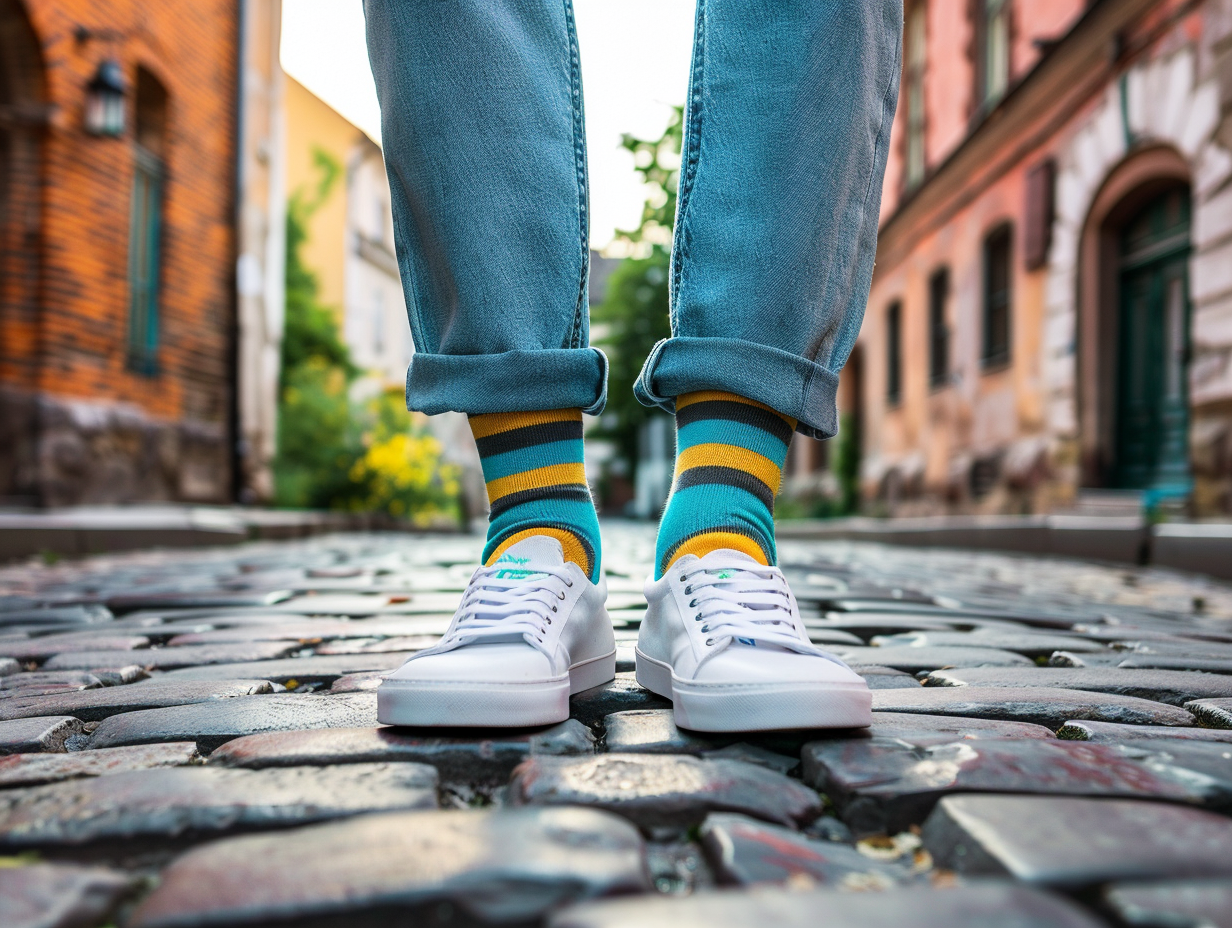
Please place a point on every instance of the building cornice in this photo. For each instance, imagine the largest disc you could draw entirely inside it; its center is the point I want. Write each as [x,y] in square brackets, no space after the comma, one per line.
[1072,72]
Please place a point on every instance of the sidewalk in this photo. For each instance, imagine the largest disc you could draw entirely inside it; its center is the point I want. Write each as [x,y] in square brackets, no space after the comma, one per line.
[1198,547]
[106,529]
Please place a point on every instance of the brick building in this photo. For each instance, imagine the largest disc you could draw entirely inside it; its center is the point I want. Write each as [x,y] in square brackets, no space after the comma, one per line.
[1051,311]
[119,247]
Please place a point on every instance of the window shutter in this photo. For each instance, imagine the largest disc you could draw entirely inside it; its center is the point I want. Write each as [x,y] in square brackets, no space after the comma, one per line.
[1039,214]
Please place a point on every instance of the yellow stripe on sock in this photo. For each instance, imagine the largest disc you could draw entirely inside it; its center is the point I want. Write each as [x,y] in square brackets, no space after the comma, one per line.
[717,455]
[703,544]
[553,475]
[706,396]
[496,422]
[574,550]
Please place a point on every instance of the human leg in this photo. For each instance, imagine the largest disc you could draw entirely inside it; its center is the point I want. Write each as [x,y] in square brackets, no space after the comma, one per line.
[481,108]
[789,113]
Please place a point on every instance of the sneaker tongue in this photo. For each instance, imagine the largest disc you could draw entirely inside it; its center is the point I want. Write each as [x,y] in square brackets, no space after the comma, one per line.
[519,561]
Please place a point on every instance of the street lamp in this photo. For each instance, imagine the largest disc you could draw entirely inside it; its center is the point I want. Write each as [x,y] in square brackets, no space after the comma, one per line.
[105,100]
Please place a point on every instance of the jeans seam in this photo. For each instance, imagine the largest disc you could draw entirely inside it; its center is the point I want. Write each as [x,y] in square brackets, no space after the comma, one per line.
[688,170]
[579,157]
[868,188]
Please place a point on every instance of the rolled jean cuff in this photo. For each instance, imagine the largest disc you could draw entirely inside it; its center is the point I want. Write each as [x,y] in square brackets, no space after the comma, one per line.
[788,383]
[512,381]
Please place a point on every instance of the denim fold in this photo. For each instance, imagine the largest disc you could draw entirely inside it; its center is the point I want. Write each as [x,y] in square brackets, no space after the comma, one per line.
[512,381]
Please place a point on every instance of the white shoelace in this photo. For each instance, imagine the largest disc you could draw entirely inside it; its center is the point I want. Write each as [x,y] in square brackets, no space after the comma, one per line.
[501,601]
[740,602]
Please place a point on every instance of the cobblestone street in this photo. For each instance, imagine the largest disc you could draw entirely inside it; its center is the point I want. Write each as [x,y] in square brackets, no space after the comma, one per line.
[190,738]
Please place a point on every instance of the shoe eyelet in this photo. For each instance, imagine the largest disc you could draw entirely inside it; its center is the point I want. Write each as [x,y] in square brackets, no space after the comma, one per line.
[705,628]
[692,603]
[709,642]
[561,597]
[554,609]
[697,618]
[688,591]
[549,621]
[568,583]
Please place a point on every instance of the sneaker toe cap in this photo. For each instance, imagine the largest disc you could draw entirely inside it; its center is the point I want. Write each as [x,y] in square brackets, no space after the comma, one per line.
[756,665]
[485,663]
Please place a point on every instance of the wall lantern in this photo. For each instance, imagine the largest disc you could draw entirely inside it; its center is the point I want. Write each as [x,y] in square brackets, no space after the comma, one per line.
[105,100]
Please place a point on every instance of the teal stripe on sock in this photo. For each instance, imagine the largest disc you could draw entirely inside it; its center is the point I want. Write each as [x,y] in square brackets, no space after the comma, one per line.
[717,431]
[532,458]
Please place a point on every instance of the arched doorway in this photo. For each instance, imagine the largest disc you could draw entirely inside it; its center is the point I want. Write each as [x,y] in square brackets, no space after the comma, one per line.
[1152,396]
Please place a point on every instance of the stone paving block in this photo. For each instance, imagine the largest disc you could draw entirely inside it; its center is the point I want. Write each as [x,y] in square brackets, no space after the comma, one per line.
[23,736]
[663,792]
[590,707]
[211,724]
[302,669]
[37,769]
[865,627]
[1137,661]
[914,660]
[743,851]
[886,678]
[756,754]
[1039,705]
[884,786]
[59,895]
[482,758]
[1029,644]
[404,643]
[1175,687]
[64,679]
[1172,903]
[1111,733]
[8,666]
[1212,713]
[121,603]
[173,658]
[1074,843]
[922,730]
[654,731]
[55,615]
[178,802]
[358,682]
[96,704]
[47,646]
[985,904]
[309,630]
[510,866]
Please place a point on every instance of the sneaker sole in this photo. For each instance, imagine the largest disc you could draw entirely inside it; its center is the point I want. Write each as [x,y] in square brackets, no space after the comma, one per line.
[756,706]
[437,704]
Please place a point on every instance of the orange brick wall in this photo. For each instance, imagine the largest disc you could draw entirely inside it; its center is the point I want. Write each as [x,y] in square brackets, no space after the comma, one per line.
[75,349]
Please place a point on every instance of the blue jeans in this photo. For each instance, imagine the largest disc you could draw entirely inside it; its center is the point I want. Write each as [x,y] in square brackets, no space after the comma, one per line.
[788,121]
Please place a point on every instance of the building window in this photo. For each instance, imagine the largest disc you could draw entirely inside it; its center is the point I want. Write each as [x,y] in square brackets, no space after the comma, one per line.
[938,330]
[994,50]
[913,78]
[145,224]
[894,354]
[996,347]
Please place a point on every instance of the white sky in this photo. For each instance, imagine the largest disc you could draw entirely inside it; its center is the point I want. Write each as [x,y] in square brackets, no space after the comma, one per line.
[635,65]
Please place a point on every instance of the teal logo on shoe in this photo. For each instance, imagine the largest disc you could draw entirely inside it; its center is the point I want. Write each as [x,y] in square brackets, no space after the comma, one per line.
[513,574]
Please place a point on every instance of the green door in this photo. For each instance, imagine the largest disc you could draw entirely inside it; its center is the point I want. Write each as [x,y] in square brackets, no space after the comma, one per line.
[1152,424]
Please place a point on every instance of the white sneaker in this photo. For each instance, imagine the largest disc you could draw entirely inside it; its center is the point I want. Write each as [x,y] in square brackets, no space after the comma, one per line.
[722,639]
[531,630]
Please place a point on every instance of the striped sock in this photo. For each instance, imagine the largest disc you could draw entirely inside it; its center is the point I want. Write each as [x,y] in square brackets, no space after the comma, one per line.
[533,466]
[729,462]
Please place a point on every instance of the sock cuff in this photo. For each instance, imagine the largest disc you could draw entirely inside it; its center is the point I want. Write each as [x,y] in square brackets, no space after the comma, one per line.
[687,400]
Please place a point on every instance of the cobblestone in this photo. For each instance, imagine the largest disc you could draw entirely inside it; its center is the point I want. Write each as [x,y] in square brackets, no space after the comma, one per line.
[1073,843]
[258,715]
[59,895]
[1175,687]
